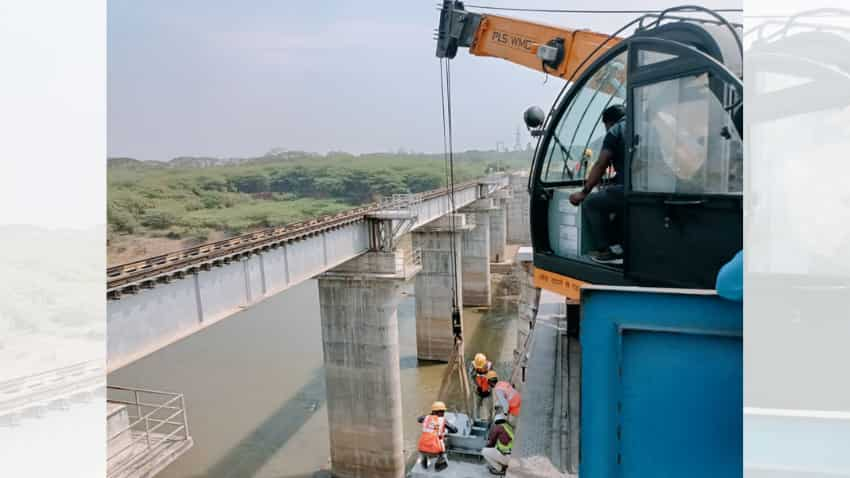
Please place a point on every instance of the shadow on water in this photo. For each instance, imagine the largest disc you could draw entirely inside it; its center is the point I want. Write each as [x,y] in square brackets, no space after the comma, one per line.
[252,452]
[283,425]
[255,450]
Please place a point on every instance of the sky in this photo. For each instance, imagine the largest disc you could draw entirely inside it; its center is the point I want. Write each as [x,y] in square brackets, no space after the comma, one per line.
[234,79]
[53,113]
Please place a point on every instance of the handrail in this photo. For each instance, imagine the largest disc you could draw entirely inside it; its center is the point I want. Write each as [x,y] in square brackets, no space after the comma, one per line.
[140,390]
[142,414]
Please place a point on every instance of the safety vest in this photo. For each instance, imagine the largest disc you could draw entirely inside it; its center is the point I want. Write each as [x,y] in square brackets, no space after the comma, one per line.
[433,432]
[512,396]
[481,379]
[506,449]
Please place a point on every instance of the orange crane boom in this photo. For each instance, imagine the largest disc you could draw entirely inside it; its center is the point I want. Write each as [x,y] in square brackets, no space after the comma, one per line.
[556,51]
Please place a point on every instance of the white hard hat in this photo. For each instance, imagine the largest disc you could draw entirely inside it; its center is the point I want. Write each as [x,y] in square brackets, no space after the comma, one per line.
[500,418]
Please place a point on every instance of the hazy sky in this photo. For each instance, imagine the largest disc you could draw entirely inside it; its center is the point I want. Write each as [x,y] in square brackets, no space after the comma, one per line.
[223,78]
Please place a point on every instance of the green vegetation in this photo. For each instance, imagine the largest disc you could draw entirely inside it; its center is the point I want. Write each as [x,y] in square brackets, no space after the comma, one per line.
[192,198]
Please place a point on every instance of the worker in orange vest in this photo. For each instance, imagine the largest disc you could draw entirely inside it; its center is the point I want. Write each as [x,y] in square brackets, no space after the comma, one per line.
[432,440]
[483,392]
[506,397]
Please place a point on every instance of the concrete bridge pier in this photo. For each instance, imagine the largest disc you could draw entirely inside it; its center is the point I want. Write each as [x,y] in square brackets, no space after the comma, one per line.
[499,226]
[359,304]
[475,269]
[519,229]
[434,340]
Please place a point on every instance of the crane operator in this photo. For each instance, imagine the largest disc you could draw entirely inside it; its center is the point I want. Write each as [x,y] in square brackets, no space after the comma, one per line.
[599,206]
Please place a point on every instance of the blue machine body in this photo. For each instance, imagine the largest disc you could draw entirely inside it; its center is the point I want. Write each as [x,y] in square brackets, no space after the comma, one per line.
[662,383]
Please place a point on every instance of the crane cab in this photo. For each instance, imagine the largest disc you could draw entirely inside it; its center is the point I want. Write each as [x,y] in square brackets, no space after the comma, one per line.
[681,187]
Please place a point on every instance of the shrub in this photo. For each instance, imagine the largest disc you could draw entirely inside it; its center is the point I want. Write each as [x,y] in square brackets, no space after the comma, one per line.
[156,219]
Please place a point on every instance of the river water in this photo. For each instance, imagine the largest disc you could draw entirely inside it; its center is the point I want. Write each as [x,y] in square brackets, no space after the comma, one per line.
[255,390]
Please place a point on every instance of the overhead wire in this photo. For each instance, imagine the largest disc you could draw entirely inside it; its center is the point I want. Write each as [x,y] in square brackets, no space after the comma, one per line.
[602,12]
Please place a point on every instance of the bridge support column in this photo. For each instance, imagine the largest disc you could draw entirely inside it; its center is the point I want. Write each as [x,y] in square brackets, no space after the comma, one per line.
[434,340]
[476,254]
[499,227]
[519,231]
[359,303]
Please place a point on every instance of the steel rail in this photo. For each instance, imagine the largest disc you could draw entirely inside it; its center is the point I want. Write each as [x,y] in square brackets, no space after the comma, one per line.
[152,267]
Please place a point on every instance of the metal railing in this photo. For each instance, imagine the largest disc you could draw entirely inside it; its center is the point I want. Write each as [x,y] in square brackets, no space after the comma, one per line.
[155,421]
[133,272]
[400,201]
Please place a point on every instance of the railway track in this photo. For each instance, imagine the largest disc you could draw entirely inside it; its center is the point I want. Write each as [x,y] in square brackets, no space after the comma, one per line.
[165,267]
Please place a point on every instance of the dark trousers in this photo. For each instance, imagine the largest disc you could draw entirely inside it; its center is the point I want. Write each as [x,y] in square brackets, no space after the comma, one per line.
[597,209]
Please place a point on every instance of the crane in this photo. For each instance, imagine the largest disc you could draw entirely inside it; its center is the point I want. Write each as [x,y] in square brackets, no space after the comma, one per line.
[661,353]
[678,76]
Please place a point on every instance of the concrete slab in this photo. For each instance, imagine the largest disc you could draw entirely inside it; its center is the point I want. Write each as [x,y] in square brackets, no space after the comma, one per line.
[456,469]
[535,435]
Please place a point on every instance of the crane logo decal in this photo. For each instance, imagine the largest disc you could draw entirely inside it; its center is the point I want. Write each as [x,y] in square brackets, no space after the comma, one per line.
[562,285]
[513,40]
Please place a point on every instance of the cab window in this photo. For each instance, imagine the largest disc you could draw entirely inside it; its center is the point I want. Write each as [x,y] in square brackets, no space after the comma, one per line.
[577,139]
[685,140]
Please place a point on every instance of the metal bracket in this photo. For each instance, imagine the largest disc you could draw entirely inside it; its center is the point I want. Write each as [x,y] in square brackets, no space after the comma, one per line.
[395,217]
[457,28]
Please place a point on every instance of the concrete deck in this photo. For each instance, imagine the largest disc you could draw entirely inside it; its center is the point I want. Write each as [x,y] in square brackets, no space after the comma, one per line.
[456,469]
[544,432]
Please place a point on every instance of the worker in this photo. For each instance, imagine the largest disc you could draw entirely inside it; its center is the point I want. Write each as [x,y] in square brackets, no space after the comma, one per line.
[610,199]
[483,392]
[505,397]
[432,440]
[500,442]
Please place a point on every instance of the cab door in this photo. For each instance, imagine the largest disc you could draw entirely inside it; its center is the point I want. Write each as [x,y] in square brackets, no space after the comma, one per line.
[684,187]
[571,145]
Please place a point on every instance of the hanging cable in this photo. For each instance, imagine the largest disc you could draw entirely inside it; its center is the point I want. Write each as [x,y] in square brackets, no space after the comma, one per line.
[448,154]
[456,368]
[448,160]
[451,181]
[445,133]
[447,119]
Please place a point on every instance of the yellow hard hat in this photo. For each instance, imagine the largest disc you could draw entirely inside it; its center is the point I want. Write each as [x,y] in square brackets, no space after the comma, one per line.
[438,406]
[588,152]
[480,360]
[492,375]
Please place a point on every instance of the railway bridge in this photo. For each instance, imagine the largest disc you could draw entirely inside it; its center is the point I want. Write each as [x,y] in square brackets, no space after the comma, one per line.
[361,259]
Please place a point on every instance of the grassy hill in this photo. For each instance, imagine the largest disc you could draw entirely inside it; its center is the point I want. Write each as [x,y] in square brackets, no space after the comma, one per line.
[156,206]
